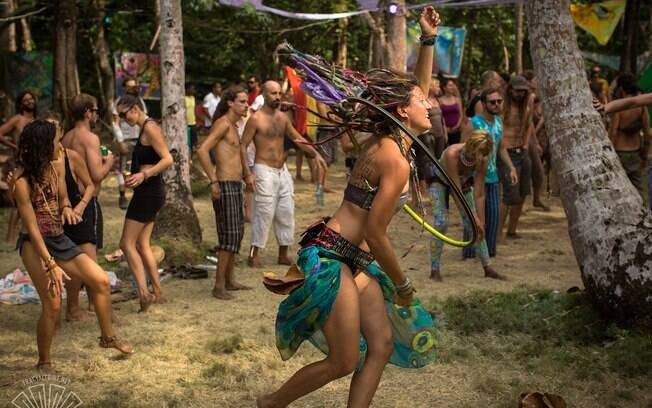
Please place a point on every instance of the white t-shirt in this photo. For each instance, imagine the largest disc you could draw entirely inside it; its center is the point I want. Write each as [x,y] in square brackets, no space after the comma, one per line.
[258,103]
[210,103]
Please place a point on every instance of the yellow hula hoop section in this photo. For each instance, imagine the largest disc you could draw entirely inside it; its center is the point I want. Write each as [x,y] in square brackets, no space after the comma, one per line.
[432,229]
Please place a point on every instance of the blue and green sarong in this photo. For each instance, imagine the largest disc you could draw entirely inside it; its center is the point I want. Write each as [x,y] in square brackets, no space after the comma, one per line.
[304,312]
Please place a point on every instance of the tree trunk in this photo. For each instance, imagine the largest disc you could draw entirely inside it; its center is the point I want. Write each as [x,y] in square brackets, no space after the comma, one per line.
[378,44]
[609,228]
[103,57]
[518,55]
[66,82]
[177,218]
[8,36]
[628,55]
[341,42]
[396,38]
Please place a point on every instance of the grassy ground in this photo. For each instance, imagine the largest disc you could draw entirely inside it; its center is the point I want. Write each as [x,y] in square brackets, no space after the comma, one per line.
[497,339]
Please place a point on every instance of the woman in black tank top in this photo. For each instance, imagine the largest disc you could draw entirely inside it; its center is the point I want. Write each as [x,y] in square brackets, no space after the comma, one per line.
[150,158]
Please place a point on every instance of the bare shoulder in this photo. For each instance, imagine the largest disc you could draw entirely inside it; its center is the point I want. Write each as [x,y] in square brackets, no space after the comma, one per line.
[390,157]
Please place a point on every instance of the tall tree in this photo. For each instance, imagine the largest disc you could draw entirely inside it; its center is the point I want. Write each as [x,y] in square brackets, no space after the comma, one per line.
[66,81]
[630,34]
[177,218]
[102,58]
[396,37]
[518,55]
[609,228]
[8,36]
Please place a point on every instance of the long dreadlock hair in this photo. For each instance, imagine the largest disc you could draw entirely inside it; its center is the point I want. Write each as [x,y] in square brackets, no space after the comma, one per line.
[332,85]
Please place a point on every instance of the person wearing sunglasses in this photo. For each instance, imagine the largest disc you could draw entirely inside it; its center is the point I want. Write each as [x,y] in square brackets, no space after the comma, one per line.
[254,89]
[88,234]
[150,159]
[489,120]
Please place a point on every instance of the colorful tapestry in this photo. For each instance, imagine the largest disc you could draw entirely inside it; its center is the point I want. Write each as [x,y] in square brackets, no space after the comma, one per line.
[144,67]
[449,49]
[31,70]
[599,19]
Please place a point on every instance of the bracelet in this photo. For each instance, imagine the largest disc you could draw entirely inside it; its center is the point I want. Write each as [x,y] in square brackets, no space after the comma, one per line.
[66,206]
[83,201]
[50,263]
[428,40]
[213,182]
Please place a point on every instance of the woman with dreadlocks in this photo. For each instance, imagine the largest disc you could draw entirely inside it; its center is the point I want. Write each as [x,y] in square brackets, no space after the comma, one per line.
[346,304]
[48,254]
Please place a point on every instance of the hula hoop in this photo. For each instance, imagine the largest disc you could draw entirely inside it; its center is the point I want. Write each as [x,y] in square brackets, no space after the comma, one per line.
[455,189]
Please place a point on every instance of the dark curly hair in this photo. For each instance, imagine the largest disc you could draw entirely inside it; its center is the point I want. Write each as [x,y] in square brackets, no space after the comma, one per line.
[36,149]
[19,101]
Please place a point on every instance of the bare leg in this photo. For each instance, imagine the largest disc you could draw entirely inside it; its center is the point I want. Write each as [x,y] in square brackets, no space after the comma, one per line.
[254,258]
[504,210]
[130,234]
[231,283]
[514,215]
[342,331]
[283,257]
[376,328]
[50,305]
[248,203]
[219,290]
[298,155]
[12,226]
[149,262]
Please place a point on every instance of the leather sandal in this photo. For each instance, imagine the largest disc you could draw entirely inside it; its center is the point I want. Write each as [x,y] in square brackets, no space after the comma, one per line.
[114,342]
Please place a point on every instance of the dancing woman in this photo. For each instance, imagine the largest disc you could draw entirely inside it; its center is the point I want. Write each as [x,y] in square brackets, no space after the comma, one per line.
[48,254]
[150,158]
[345,294]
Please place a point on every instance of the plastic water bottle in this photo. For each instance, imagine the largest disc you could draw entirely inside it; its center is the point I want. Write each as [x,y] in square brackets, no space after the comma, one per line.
[319,195]
[104,150]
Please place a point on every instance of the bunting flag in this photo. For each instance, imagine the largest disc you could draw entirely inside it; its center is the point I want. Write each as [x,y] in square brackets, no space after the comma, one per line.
[599,19]
[449,49]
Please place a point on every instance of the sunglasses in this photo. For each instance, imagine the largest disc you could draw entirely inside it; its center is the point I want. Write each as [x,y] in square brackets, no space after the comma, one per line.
[495,102]
[95,110]
[252,82]
[123,114]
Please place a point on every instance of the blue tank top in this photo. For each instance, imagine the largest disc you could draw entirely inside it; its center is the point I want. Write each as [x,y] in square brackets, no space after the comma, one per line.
[496,131]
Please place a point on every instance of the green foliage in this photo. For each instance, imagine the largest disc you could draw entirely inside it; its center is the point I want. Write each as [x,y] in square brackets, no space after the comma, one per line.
[542,328]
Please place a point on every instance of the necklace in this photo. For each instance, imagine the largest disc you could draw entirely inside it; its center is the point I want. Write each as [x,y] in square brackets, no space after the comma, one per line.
[465,161]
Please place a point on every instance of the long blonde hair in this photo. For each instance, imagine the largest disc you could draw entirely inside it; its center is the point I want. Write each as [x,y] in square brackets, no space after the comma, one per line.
[479,144]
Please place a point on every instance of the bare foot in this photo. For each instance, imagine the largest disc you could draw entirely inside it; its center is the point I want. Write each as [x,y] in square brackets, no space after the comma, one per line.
[145,303]
[435,275]
[541,206]
[159,298]
[222,294]
[513,235]
[237,286]
[114,342]
[489,272]
[300,178]
[77,315]
[45,366]
[284,261]
[254,262]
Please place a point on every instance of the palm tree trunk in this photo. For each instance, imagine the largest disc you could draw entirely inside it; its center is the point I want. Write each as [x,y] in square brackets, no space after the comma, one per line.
[177,218]
[609,228]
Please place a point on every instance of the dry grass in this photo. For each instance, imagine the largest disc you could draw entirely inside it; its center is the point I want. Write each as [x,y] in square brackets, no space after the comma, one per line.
[196,351]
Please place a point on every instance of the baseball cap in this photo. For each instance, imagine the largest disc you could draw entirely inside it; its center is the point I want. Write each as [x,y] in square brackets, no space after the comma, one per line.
[519,83]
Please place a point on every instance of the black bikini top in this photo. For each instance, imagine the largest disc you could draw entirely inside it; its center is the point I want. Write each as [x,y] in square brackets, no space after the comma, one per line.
[364,197]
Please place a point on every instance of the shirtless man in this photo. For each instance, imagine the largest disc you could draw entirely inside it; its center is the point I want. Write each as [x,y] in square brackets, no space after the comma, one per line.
[517,130]
[226,185]
[25,113]
[270,179]
[88,234]
[625,134]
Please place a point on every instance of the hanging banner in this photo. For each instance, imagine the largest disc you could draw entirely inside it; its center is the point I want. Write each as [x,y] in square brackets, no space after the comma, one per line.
[144,67]
[31,70]
[599,19]
[449,49]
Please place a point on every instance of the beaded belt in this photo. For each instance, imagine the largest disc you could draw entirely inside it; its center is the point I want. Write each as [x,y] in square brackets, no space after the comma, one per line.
[319,234]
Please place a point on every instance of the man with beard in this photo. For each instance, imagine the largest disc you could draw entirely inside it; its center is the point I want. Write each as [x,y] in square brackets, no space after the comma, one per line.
[25,113]
[226,185]
[517,130]
[489,119]
[270,179]
[88,233]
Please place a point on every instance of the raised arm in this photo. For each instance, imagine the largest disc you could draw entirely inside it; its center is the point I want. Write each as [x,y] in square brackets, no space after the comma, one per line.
[621,104]
[429,22]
